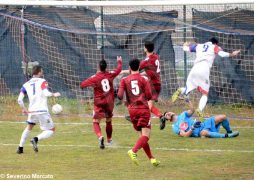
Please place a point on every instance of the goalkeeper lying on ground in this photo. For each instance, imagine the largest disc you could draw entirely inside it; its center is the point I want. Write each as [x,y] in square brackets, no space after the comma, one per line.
[184,125]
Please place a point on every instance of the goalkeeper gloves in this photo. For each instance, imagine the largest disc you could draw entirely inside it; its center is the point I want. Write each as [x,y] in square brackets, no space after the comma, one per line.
[196,124]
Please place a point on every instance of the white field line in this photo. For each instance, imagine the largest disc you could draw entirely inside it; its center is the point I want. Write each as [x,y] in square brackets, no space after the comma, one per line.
[127,147]
[123,116]
[114,124]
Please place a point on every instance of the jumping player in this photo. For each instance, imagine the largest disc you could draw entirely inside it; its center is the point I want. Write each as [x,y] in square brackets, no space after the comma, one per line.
[37,91]
[102,83]
[138,93]
[151,67]
[198,77]
[184,125]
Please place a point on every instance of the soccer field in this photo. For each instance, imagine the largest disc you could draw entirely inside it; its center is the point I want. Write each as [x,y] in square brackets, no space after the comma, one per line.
[73,153]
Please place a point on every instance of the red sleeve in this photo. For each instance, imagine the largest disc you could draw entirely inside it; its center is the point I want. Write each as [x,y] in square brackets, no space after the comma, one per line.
[143,64]
[148,91]
[44,85]
[88,82]
[118,69]
[217,49]
[121,90]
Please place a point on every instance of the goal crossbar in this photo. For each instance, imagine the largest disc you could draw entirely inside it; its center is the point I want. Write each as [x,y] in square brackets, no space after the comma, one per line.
[120,3]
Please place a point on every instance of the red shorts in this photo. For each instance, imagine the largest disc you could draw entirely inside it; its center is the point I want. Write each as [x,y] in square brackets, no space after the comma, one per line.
[101,111]
[156,89]
[140,118]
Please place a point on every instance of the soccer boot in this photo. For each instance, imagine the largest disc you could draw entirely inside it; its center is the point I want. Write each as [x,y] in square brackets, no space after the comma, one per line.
[233,134]
[155,162]
[110,142]
[133,156]
[128,118]
[162,122]
[20,150]
[200,115]
[176,95]
[101,142]
[34,142]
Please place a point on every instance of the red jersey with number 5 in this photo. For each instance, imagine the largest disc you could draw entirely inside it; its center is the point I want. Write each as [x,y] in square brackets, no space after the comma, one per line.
[102,82]
[137,89]
[151,65]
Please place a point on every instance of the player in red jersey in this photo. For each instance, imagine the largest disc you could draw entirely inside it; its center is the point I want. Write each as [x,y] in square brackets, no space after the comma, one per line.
[102,82]
[151,66]
[138,93]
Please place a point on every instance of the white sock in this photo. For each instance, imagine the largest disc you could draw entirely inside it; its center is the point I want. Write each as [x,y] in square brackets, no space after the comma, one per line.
[45,134]
[202,102]
[24,136]
[182,90]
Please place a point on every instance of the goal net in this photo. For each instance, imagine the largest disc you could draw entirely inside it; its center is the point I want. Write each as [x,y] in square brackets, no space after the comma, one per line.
[69,39]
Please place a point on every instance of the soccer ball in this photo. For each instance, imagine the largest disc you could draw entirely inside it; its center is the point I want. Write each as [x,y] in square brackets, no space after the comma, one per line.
[57,109]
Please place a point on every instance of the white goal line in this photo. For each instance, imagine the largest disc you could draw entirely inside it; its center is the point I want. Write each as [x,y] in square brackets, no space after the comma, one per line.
[114,124]
[128,147]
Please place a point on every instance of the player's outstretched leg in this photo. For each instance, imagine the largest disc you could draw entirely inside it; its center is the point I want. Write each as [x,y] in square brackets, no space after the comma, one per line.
[219,135]
[148,152]
[176,95]
[157,113]
[44,135]
[34,142]
[200,114]
[133,156]
[201,106]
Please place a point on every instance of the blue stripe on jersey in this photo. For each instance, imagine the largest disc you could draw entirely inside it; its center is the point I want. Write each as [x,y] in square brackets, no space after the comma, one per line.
[23,90]
[193,47]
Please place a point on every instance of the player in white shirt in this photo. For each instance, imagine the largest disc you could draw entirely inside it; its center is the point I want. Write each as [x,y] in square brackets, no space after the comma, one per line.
[198,77]
[37,91]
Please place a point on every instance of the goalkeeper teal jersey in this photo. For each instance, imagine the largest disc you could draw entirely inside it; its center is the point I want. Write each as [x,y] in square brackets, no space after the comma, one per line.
[184,122]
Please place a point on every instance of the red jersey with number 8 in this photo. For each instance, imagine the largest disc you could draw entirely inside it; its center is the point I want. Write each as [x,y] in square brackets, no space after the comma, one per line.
[102,82]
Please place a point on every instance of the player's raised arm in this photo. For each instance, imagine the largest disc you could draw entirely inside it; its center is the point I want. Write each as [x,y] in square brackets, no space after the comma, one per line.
[119,66]
[235,53]
[226,54]
[220,52]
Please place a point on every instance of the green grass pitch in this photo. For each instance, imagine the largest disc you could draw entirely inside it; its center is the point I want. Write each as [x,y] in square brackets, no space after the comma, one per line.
[73,153]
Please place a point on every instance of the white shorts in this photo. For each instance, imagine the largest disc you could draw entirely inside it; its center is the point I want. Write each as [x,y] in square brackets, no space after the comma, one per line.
[44,119]
[198,78]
